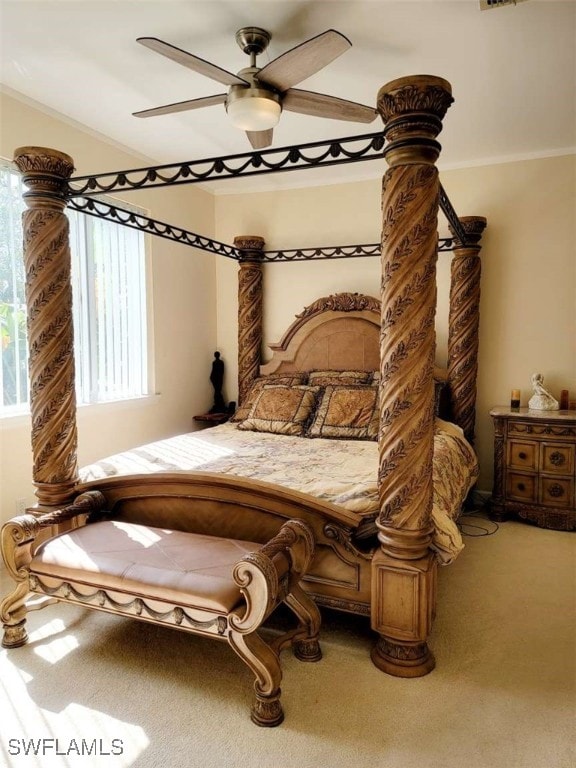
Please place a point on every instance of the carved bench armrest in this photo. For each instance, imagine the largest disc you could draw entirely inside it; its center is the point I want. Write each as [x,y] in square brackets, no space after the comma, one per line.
[87,503]
[265,579]
[19,533]
[295,537]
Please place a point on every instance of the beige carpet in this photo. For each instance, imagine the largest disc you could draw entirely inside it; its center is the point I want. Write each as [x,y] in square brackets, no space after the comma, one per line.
[502,695]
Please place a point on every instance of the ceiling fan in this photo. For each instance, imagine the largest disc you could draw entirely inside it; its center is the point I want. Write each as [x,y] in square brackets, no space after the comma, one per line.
[487,4]
[256,97]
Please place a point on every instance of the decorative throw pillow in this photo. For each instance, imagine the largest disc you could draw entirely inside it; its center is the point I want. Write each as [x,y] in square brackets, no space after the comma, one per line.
[283,410]
[347,412]
[244,408]
[325,378]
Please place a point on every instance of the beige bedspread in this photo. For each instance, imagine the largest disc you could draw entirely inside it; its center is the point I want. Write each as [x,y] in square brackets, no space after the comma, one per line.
[343,472]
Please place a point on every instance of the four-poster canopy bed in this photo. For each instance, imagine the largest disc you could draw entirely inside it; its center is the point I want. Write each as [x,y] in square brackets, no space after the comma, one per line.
[382,563]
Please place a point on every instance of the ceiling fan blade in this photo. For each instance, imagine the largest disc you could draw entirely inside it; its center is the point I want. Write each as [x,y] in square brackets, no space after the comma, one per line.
[182,106]
[260,139]
[322,105]
[192,62]
[304,60]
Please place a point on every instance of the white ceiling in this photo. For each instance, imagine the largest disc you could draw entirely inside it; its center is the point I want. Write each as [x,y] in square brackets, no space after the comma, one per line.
[512,70]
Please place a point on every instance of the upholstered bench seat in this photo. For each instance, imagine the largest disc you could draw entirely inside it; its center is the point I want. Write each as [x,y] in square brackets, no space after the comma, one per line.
[187,569]
[223,588]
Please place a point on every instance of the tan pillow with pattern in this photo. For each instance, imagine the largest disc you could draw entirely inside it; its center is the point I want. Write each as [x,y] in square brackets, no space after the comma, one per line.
[282,410]
[347,412]
[244,409]
[324,378]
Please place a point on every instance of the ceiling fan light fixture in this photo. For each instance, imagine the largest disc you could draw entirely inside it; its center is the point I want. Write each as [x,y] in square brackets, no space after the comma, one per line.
[257,96]
[253,109]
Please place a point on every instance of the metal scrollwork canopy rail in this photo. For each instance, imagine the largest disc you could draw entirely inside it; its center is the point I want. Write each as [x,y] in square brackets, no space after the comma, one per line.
[127,218]
[332,152]
[143,223]
[81,190]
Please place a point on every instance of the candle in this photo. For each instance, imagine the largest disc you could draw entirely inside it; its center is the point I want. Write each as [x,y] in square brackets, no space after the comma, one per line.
[564,400]
[515,398]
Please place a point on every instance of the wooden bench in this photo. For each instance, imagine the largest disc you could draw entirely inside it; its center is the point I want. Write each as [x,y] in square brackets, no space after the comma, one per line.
[221,588]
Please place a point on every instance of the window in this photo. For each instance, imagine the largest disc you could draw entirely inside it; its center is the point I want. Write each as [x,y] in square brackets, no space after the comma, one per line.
[13,340]
[109,305]
[109,290]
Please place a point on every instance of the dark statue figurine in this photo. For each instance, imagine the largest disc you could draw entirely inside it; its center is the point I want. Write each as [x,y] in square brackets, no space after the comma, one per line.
[217,379]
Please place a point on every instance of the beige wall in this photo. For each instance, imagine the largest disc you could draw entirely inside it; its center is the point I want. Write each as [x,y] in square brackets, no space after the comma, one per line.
[312,217]
[183,321]
[528,302]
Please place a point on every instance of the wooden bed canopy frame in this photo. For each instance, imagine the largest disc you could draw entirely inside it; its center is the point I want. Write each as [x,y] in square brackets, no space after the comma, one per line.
[403,569]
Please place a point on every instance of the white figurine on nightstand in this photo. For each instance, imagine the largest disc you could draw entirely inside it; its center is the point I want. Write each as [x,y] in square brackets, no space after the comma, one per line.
[541,400]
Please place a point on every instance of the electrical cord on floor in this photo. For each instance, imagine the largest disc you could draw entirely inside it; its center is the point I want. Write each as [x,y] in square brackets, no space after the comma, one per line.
[481,526]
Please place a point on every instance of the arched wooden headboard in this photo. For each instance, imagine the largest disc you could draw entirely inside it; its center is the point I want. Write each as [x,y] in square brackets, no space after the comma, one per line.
[339,332]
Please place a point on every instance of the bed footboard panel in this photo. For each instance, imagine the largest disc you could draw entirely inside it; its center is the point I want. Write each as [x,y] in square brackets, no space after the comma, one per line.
[339,575]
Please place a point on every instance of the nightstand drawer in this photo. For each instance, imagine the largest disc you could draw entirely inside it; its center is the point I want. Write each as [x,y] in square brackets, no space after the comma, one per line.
[557,491]
[522,455]
[521,487]
[557,458]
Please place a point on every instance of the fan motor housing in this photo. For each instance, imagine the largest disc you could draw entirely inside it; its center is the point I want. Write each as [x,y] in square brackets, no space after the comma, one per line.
[253,40]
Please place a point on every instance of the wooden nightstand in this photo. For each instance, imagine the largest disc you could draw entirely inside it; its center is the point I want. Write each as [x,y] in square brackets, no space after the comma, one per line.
[212,419]
[535,466]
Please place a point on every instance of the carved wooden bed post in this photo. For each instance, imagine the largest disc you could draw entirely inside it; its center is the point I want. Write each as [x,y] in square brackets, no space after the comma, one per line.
[50,331]
[464,322]
[249,312]
[404,569]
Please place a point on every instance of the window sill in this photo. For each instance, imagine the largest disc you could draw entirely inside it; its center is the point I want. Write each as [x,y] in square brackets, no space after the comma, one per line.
[20,419]
[15,420]
[118,405]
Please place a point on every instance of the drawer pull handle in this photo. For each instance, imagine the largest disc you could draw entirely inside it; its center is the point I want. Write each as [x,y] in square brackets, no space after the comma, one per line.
[521,487]
[557,458]
[556,490]
[522,455]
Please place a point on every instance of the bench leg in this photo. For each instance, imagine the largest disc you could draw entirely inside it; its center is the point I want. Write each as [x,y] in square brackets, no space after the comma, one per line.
[305,643]
[264,662]
[13,612]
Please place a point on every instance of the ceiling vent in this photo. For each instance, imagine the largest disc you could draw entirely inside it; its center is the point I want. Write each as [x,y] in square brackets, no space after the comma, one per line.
[485,5]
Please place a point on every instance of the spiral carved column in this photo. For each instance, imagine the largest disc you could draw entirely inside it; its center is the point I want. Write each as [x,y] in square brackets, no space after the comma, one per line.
[497,500]
[249,312]
[50,331]
[404,569]
[463,324]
